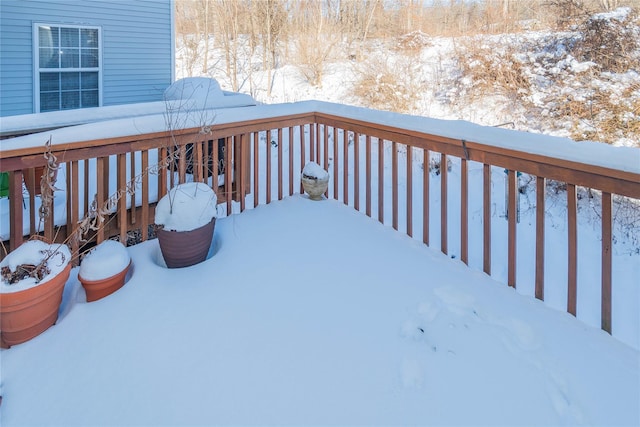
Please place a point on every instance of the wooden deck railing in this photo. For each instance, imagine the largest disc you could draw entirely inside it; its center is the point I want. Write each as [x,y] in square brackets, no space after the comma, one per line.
[337,143]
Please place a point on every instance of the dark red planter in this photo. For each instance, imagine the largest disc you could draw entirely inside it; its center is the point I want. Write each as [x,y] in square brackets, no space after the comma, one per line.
[185,248]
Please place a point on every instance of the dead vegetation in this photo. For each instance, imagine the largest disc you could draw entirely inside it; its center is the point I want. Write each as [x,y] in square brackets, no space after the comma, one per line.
[315,44]
[584,81]
[392,84]
[602,115]
[491,67]
[612,43]
[413,42]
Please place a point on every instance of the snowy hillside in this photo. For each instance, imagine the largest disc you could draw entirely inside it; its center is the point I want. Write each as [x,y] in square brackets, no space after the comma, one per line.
[583,84]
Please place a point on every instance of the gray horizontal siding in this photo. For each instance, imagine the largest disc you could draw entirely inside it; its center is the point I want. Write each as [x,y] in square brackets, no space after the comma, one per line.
[136,47]
[16,63]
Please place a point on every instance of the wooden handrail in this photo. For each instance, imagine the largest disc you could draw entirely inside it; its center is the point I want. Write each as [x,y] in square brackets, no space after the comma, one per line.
[616,181]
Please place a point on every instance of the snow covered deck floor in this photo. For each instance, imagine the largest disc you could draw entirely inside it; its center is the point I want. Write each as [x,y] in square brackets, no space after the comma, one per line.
[312,313]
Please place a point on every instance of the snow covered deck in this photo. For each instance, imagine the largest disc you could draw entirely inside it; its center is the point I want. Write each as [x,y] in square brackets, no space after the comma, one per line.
[312,313]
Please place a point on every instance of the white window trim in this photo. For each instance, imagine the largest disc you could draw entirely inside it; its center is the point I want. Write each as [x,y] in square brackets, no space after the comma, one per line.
[36,60]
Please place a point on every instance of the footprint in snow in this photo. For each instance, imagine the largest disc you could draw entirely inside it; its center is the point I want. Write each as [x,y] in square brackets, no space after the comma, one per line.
[412,373]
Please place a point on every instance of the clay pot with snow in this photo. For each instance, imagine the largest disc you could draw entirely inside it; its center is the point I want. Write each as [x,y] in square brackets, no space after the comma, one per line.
[104,269]
[33,182]
[186,218]
[33,280]
[315,180]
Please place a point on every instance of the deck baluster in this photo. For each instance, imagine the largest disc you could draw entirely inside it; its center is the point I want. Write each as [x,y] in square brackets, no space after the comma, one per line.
[606,261]
[464,211]
[540,210]
[572,239]
[444,172]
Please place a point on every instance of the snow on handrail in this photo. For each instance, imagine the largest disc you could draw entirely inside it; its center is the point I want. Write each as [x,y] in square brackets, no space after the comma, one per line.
[588,152]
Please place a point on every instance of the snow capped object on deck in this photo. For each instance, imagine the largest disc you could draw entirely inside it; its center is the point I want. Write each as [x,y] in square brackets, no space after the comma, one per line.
[192,93]
[187,207]
[33,252]
[314,170]
[105,260]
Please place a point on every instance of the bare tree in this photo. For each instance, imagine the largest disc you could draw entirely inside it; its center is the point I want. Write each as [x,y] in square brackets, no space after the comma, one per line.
[271,19]
[315,41]
[609,4]
[226,24]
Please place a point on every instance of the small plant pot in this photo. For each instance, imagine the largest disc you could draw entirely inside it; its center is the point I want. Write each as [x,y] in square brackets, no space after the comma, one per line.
[186,248]
[33,187]
[98,289]
[314,187]
[26,314]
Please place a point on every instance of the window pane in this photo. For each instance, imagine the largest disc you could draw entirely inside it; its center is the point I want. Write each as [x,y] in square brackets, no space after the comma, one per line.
[89,98]
[89,58]
[89,80]
[74,49]
[89,38]
[70,100]
[49,101]
[48,36]
[48,57]
[69,37]
[70,58]
[49,82]
[70,81]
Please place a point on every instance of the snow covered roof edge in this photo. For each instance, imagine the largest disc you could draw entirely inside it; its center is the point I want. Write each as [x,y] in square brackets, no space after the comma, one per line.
[19,124]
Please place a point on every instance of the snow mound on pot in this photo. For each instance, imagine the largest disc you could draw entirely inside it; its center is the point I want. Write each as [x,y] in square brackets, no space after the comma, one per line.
[105,260]
[314,170]
[186,207]
[33,252]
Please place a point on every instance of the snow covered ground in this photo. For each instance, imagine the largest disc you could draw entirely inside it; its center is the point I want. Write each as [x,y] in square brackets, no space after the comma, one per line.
[300,318]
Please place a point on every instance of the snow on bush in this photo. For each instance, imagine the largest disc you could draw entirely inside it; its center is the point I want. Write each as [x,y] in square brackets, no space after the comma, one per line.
[569,84]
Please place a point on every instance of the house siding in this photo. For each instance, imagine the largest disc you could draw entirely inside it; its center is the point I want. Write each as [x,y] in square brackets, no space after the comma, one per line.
[137,47]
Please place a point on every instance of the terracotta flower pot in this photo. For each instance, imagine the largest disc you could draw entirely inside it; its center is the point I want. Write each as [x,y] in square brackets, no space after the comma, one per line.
[26,314]
[186,248]
[97,289]
[33,187]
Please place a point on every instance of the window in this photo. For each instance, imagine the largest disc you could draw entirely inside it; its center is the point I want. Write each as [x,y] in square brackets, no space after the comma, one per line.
[67,67]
